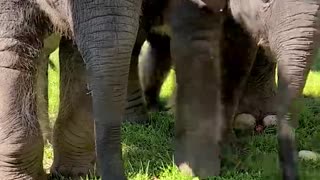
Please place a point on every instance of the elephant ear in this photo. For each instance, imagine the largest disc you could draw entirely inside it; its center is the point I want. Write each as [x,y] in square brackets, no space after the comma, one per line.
[213,5]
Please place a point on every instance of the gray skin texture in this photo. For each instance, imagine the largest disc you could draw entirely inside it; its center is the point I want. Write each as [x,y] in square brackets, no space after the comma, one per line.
[106,48]
[73,140]
[73,133]
[107,54]
[290,35]
[196,47]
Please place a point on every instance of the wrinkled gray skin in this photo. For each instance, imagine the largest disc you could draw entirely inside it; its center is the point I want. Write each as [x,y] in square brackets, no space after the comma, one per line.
[73,138]
[290,35]
[106,48]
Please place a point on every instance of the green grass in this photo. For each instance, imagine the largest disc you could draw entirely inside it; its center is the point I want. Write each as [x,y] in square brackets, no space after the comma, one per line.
[147,150]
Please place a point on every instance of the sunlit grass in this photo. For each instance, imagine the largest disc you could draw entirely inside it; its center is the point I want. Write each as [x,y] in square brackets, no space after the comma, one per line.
[312,87]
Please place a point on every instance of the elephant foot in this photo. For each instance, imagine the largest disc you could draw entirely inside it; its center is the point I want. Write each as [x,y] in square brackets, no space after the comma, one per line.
[74,154]
[201,168]
[74,172]
[196,161]
[22,161]
[73,146]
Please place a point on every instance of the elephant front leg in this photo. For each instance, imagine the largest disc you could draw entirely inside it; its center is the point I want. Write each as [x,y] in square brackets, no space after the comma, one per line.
[257,103]
[21,144]
[154,66]
[195,49]
[73,138]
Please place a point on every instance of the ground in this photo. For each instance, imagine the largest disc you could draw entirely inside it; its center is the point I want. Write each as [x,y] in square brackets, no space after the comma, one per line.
[147,150]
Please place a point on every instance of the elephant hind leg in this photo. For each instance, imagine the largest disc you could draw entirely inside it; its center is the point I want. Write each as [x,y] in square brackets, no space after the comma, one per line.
[154,66]
[257,100]
[135,110]
[73,138]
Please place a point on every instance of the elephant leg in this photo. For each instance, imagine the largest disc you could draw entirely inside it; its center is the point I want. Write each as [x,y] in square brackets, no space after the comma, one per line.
[73,136]
[135,110]
[154,66]
[295,51]
[239,52]
[195,48]
[257,101]
[21,144]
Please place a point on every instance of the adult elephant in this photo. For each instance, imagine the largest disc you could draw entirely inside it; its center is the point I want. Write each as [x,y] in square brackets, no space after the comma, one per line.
[291,36]
[105,32]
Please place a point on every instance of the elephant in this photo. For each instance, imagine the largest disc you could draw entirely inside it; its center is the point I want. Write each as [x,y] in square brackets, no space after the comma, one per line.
[289,35]
[106,34]
[76,115]
[284,33]
[75,109]
[25,25]
[256,104]
[74,81]
[105,42]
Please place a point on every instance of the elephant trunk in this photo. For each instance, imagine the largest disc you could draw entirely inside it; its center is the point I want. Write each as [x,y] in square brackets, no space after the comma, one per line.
[105,32]
[294,40]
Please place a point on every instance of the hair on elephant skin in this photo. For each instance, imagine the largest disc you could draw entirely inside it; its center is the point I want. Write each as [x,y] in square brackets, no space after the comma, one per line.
[108,34]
